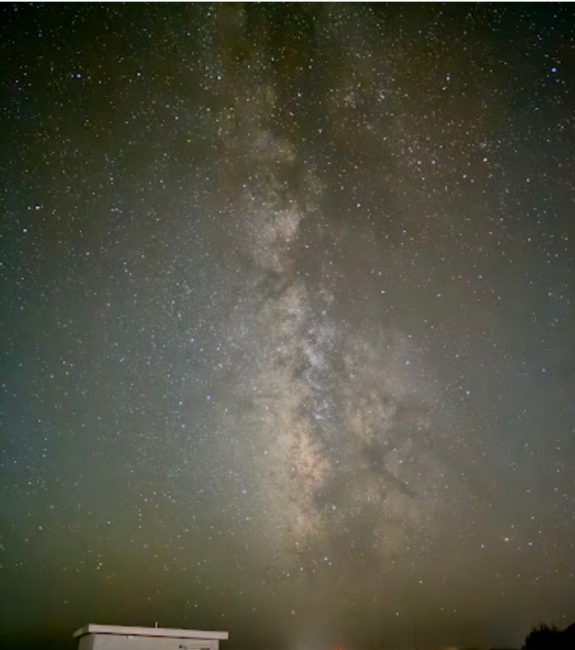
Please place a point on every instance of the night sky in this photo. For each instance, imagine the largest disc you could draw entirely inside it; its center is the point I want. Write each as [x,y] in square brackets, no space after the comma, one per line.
[287,322]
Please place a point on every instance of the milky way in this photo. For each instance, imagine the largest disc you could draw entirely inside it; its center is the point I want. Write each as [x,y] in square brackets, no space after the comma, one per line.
[287,321]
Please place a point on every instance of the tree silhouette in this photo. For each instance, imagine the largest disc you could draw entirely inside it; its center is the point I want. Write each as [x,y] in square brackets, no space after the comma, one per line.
[543,637]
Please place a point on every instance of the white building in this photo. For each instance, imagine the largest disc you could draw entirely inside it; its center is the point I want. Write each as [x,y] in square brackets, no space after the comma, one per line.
[119,637]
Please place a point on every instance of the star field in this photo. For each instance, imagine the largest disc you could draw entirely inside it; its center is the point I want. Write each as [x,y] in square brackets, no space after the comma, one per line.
[287,322]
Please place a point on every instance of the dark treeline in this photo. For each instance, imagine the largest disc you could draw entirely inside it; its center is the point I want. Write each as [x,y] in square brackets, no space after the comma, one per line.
[544,637]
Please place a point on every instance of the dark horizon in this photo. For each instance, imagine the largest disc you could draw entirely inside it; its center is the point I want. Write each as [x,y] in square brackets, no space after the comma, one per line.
[286,311]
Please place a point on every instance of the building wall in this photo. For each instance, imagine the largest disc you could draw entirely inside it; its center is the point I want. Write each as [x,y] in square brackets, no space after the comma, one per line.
[86,642]
[128,642]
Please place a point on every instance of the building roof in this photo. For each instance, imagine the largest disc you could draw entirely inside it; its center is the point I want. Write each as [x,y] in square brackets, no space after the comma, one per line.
[125,630]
